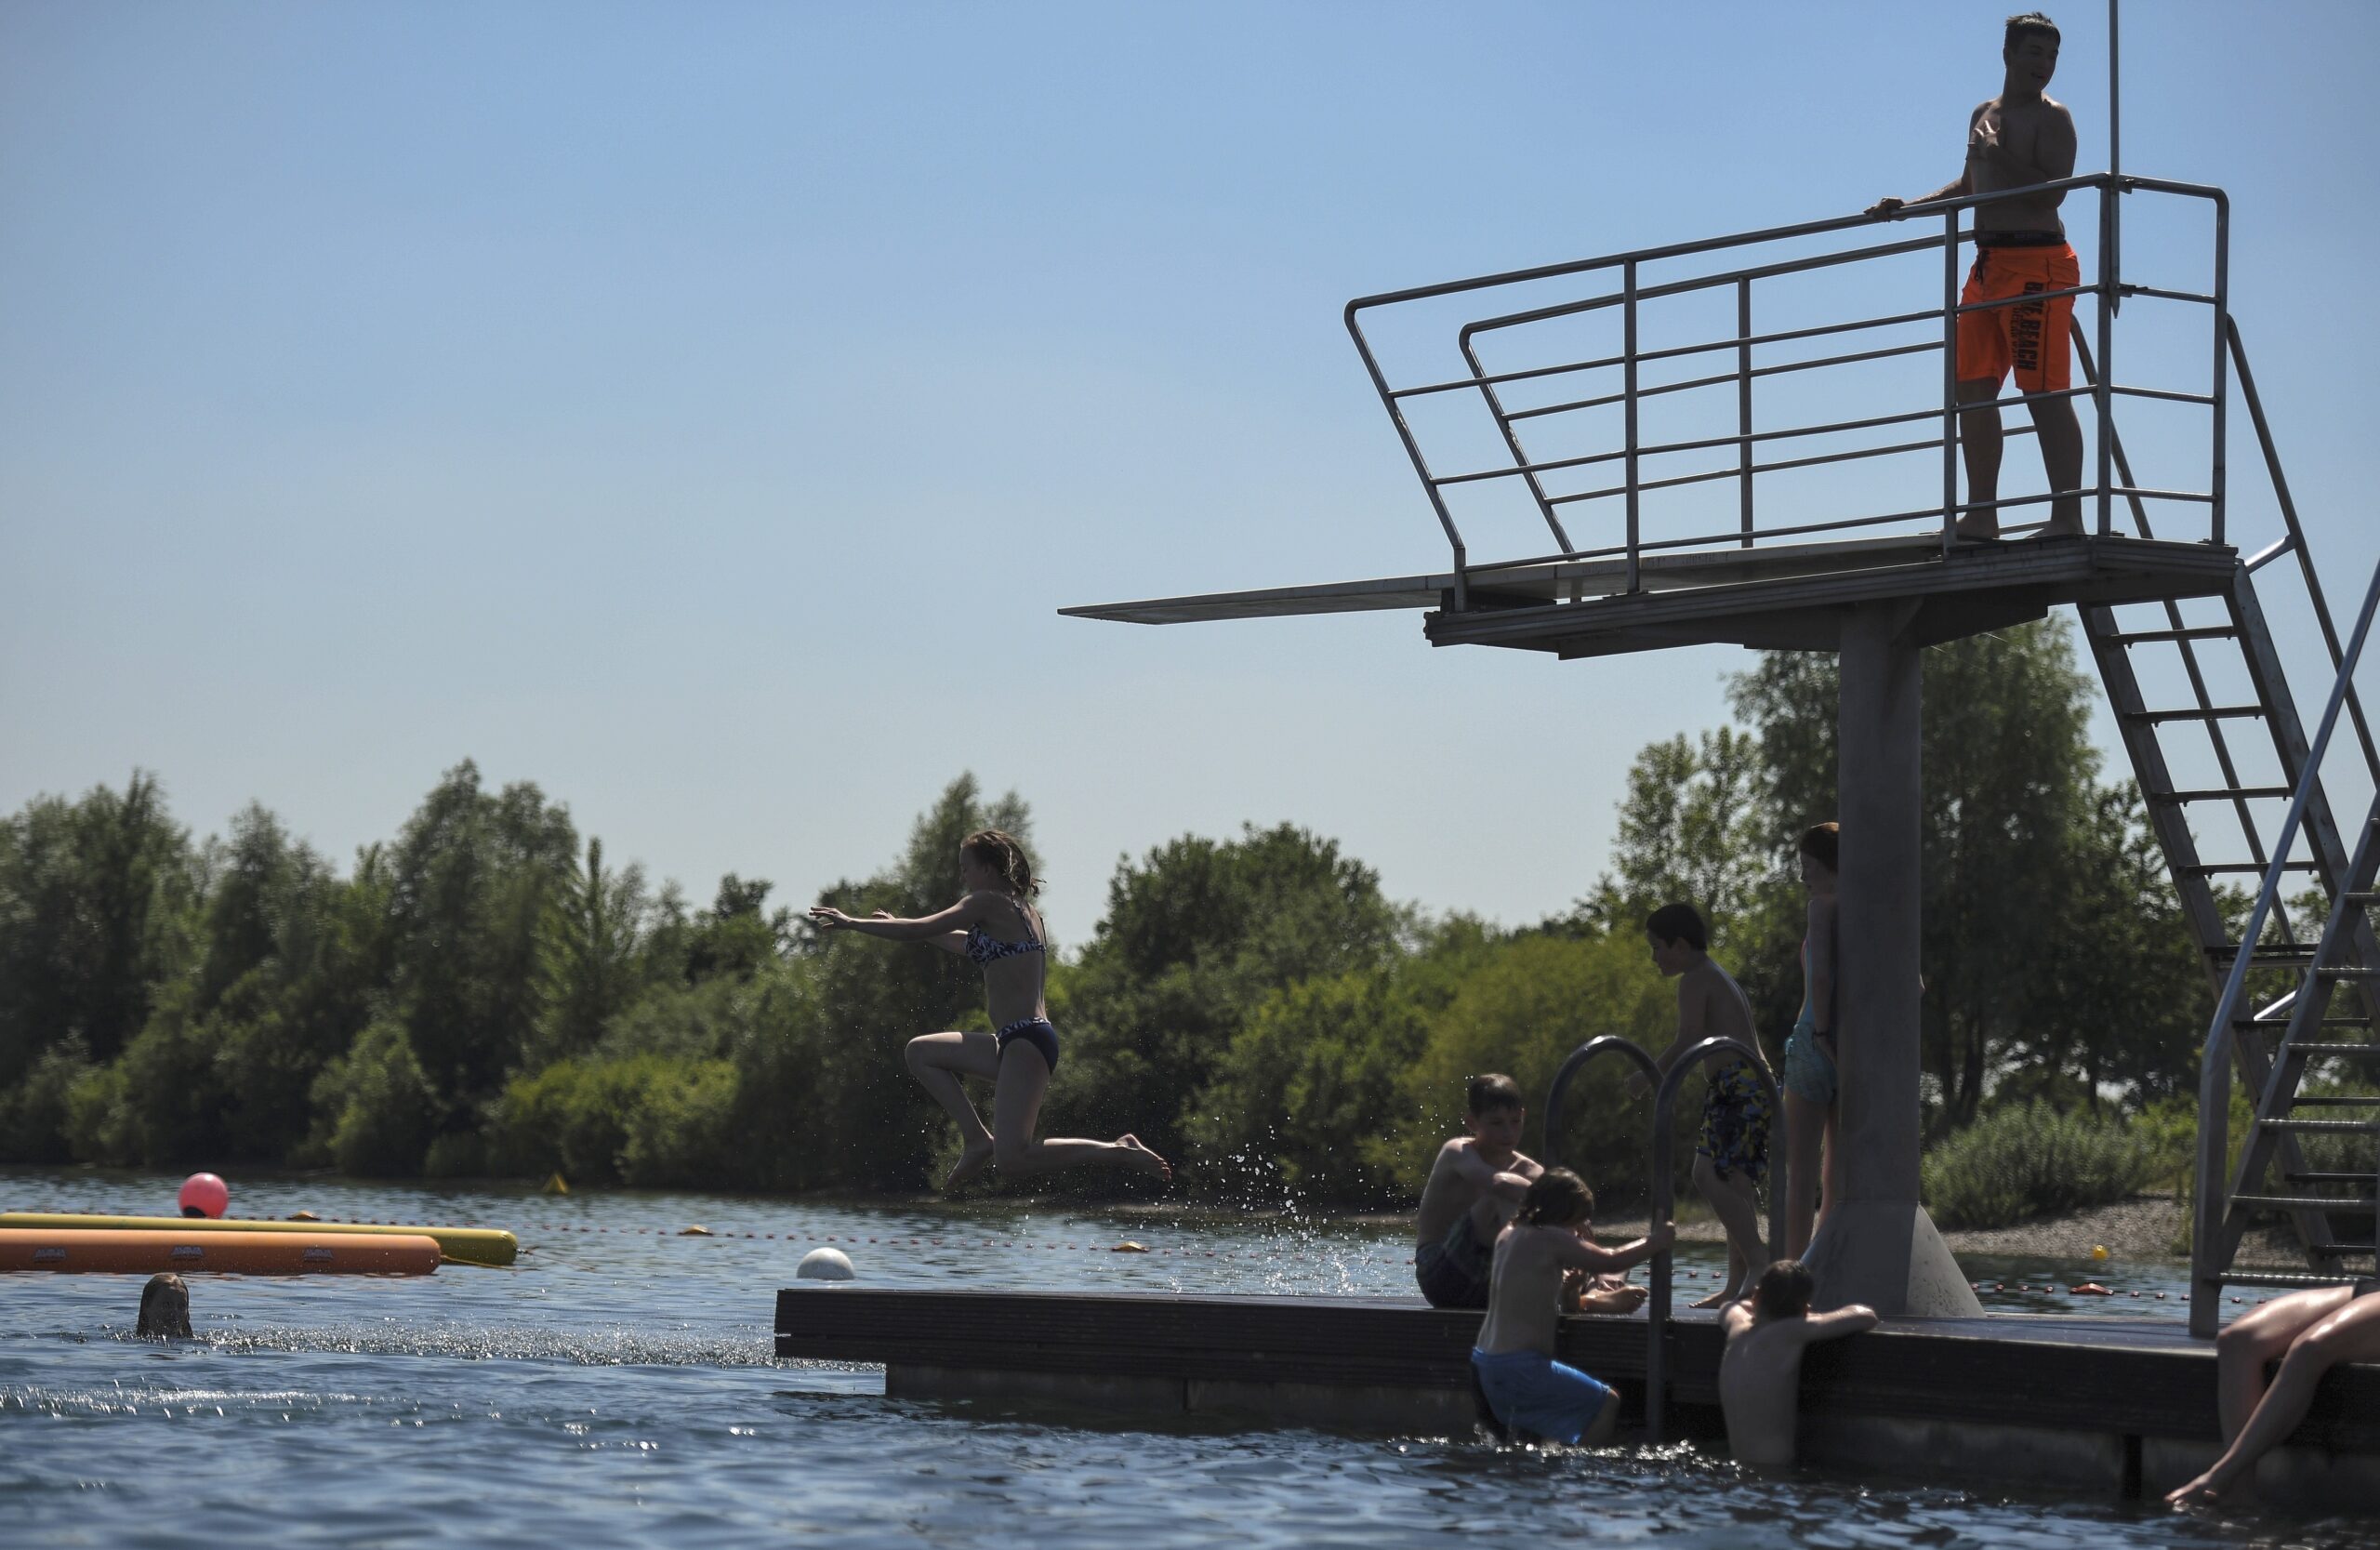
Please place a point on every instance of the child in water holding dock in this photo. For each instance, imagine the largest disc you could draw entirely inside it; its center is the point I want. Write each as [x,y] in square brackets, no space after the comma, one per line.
[1527,1389]
[1760,1374]
[1731,1154]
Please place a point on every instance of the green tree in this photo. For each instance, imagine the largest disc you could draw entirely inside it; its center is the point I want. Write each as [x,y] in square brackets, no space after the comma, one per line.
[95,906]
[1691,829]
[1194,939]
[594,952]
[2028,864]
[472,881]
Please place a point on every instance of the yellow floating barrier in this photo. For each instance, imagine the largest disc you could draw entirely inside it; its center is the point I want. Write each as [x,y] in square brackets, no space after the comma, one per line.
[133,1251]
[467,1245]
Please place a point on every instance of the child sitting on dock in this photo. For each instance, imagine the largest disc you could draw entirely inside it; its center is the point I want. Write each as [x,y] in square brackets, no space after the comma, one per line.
[1731,1155]
[1475,1184]
[1760,1374]
[1525,1388]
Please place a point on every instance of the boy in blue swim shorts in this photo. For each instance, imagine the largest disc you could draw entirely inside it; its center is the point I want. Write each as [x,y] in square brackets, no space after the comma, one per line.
[1525,1389]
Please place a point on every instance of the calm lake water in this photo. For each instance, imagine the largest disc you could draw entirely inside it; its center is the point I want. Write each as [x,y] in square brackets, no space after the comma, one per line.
[618,1387]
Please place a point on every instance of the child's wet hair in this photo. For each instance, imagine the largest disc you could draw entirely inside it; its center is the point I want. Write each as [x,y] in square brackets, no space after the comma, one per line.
[1558,1198]
[1784,1290]
[1821,842]
[1679,923]
[165,1307]
[1001,852]
[1485,1094]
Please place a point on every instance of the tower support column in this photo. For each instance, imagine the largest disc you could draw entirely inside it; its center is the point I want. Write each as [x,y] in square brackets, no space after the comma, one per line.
[1876,1245]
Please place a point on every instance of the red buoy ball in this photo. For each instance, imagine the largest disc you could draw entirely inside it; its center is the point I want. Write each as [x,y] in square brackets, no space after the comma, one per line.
[204,1195]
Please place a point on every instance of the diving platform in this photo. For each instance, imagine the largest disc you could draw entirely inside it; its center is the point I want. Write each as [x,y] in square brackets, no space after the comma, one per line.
[1762,439]
[2115,1407]
[1775,596]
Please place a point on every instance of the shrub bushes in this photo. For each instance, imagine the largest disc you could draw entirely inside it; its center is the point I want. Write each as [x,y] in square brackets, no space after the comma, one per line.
[2028,1160]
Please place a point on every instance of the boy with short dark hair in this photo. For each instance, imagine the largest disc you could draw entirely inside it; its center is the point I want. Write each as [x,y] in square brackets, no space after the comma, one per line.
[1731,1154]
[1760,1374]
[1475,1185]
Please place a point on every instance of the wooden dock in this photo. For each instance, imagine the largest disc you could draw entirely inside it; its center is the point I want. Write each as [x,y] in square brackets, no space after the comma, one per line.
[2114,1406]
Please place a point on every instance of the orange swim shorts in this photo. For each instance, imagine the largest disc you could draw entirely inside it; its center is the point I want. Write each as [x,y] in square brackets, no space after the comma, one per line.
[2030,337]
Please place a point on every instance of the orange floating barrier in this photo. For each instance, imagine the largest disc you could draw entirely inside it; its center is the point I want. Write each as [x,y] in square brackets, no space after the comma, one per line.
[127,1251]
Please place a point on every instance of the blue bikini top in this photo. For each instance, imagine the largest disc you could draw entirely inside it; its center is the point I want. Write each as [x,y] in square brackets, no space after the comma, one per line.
[983,948]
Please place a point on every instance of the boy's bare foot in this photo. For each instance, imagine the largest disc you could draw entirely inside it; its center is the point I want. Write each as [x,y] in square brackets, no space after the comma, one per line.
[1142,1158]
[972,1162]
[1976,530]
[2070,527]
[1716,1299]
[2199,1492]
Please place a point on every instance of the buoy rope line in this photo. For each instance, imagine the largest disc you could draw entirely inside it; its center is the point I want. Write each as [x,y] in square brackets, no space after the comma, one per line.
[2088,1289]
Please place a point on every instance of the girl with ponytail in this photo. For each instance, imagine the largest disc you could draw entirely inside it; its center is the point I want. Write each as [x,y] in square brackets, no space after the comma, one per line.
[995,926]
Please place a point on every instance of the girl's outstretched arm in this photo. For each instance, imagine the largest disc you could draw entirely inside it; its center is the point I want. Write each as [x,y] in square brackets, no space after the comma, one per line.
[946,929]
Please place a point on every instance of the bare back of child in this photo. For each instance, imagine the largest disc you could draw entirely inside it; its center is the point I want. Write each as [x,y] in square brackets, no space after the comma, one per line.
[1760,1374]
[1475,1184]
[1528,1391]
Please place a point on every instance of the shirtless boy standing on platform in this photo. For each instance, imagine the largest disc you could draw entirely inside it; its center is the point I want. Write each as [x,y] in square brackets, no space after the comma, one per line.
[2016,139]
[1475,1185]
[1760,1374]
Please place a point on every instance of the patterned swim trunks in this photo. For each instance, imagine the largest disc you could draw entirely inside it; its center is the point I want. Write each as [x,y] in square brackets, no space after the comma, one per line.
[1735,1123]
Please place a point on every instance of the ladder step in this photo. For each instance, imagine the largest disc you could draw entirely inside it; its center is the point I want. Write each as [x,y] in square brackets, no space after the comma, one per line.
[2359,1181]
[2359,896]
[2272,955]
[2296,1281]
[2253,868]
[2200,713]
[2340,1250]
[2322,1051]
[2331,973]
[2279,1022]
[2220,793]
[2335,1099]
[2318,1127]
[2301,1203]
[2202,632]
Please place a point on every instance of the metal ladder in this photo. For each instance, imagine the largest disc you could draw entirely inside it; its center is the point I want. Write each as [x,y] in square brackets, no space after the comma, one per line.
[1661,1186]
[2274,1047]
[2342,957]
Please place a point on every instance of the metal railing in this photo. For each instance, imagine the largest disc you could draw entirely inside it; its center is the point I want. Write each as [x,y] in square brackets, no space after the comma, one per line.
[2212,1185]
[1490,387]
[1660,1186]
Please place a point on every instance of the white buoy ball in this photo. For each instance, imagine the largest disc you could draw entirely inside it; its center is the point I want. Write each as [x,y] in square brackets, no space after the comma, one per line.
[825,1264]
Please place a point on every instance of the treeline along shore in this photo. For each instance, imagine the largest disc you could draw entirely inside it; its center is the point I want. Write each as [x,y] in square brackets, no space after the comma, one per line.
[489,993]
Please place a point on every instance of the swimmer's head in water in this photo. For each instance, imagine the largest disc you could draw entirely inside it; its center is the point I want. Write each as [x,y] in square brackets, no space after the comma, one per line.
[996,853]
[1558,1198]
[164,1308]
[1784,1290]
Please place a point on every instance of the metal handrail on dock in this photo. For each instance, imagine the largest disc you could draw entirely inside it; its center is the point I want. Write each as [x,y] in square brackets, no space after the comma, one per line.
[1634,290]
[1660,1187]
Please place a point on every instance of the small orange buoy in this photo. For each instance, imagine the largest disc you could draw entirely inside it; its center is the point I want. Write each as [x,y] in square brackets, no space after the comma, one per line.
[1129,1247]
[697,1230]
[2091,1288]
[303,1216]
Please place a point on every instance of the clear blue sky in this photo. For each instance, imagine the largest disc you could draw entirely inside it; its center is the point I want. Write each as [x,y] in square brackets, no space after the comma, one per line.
[703,410]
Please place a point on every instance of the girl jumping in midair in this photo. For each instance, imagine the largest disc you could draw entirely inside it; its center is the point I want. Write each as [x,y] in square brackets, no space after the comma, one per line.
[995,927]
